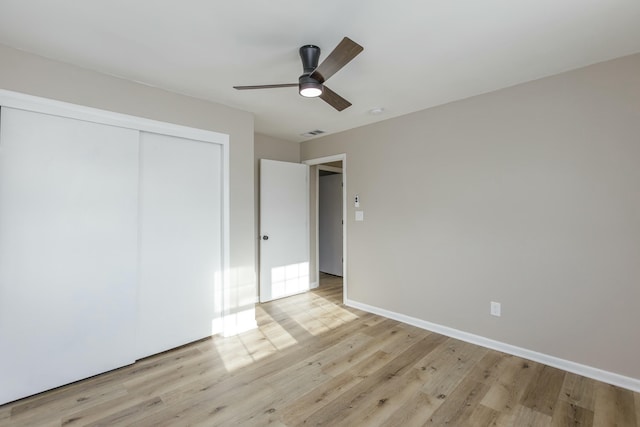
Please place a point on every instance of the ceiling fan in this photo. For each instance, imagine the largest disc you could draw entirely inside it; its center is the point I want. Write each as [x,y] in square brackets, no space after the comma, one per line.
[311,82]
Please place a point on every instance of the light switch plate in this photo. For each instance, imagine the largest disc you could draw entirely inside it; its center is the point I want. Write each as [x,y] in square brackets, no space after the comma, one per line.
[359,215]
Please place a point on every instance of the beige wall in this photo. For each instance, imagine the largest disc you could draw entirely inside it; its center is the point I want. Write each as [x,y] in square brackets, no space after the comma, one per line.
[34,75]
[529,196]
[266,147]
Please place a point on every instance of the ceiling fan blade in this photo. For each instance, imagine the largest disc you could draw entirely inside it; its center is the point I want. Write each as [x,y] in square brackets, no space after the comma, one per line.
[346,50]
[333,99]
[266,86]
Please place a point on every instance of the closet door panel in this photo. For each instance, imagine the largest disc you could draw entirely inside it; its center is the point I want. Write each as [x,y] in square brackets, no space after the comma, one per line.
[180,241]
[68,250]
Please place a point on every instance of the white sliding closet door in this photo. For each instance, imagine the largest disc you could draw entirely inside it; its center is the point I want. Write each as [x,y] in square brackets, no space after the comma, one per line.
[68,250]
[180,241]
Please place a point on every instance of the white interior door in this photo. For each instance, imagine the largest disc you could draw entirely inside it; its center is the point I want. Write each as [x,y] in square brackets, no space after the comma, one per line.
[284,229]
[330,223]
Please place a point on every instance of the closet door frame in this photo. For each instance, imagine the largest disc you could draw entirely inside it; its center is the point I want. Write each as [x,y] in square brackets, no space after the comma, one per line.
[68,110]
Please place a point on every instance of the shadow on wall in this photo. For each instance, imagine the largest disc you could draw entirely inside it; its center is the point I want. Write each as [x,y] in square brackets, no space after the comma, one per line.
[289,279]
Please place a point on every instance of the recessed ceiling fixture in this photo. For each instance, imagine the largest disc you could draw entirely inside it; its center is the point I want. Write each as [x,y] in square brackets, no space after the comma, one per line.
[311,82]
[377,110]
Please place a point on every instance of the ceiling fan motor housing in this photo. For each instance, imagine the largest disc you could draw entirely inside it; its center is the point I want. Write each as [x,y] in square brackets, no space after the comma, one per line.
[307,85]
[310,56]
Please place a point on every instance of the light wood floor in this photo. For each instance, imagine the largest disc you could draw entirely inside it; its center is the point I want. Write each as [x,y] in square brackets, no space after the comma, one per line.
[316,362]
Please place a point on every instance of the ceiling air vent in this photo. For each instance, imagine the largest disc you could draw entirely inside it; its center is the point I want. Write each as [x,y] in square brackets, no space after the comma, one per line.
[313,133]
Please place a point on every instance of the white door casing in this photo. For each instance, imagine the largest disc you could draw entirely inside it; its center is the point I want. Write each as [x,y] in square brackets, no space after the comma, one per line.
[345,254]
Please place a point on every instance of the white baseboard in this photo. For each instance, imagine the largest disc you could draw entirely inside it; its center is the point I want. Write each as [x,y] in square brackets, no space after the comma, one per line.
[566,365]
[313,285]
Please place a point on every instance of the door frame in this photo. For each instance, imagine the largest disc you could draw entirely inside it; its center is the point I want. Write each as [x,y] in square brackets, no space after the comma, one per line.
[318,161]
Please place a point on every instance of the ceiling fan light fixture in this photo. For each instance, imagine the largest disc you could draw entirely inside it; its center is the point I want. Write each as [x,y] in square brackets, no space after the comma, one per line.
[310,92]
[311,82]
[309,87]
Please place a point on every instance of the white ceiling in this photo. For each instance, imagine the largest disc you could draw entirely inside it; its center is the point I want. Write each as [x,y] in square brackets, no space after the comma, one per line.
[417,53]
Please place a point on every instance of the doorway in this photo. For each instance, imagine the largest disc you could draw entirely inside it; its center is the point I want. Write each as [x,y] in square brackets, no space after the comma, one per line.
[330,218]
[330,168]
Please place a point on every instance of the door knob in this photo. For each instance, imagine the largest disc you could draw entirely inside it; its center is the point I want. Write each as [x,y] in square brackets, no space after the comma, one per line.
[265,237]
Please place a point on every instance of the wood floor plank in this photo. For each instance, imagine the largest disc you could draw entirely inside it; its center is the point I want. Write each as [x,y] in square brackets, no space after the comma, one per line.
[459,407]
[40,409]
[506,392]
[414,411]
[626,414]
[313,361]
[383,401]
[349,402]
[392,341]
[296,412]
[523,416]
[542,393]
[105,409]
[637,402]
[127,415]
[614,406]
[570,414]
[444,368]
[183,371]
[482,417]
[5,413]
[579,391]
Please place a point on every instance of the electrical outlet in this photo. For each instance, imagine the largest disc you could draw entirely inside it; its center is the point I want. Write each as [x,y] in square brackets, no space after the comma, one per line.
[495,308]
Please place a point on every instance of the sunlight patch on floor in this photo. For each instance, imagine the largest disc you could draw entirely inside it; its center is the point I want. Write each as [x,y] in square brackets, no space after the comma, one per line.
[280,323]
[334,309]
[321,316]
[243,349]
[275,333]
